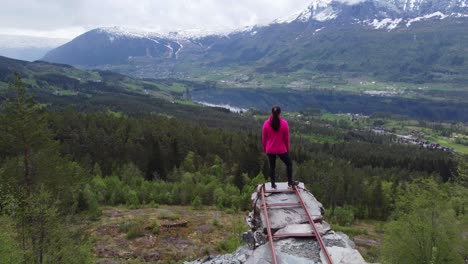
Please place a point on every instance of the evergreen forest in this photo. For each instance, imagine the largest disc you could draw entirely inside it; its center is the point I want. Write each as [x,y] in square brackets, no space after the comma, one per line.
[59,166]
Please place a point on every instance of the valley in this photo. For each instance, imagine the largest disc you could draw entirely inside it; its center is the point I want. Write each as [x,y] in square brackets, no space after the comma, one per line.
[336,101]
[142,142]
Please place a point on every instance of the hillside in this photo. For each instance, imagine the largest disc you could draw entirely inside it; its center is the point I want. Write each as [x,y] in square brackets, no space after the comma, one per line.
[81,162]
[61,87]
[46,78]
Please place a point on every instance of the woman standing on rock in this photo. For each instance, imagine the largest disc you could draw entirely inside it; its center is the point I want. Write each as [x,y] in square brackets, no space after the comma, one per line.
[275,141]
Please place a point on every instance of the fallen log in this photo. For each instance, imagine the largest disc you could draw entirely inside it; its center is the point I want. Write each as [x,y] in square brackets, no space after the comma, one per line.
[177,224]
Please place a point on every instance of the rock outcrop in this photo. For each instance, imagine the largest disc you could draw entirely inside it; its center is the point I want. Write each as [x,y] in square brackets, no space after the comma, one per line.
[284,220]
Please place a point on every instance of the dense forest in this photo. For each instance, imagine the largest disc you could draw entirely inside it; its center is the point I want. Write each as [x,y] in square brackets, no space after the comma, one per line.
[58,166]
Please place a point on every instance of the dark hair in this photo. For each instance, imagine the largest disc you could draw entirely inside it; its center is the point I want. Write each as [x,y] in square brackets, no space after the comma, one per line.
[275,122]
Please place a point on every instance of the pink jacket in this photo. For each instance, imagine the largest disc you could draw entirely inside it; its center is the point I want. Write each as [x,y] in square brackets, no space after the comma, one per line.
[275,142]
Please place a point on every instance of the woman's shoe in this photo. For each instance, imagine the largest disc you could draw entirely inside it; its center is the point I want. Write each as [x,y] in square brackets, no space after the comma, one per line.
[293,183]
[273,186]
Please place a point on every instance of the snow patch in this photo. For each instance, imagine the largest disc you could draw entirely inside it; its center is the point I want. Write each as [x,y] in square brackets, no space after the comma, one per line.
[155,41]
[169,47]
[416,19]
[319,29]
[118,32]
[305,16]
[177,52]
[411,5]
[394,24]
[287,19]
[187,34]
[387,23]
[171,50]
[316,4]
[111,39]
[458,15]
[253,33]
[327,14]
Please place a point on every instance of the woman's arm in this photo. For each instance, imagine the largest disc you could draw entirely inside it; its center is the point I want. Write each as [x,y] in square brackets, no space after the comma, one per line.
[264,137]
[287,141]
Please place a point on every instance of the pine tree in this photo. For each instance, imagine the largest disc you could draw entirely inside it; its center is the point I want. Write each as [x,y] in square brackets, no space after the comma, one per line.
[426,230]
[23,128]
[462,177]
[48,183]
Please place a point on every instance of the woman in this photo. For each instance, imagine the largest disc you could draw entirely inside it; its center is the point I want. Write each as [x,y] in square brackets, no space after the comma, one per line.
[275,141]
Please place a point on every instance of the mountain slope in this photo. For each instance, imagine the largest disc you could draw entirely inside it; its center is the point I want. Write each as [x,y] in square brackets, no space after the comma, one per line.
[113,47]
[58,83]
[406,41]
[62,87]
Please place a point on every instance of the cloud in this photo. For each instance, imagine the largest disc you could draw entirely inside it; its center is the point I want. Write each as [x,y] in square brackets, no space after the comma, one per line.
[61,18]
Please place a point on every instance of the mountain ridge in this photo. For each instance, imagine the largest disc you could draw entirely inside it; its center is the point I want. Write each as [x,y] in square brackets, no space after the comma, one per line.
[307,43]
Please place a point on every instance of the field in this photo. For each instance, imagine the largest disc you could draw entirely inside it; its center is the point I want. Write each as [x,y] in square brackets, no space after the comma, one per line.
[146,235]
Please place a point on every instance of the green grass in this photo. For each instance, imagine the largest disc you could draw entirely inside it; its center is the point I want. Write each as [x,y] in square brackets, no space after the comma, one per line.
[186,102]
[133,87]
[315,138]
[350,231]
[446,143]
[3,85]
[66,93]
[334,117]
[233,240]
[175,87]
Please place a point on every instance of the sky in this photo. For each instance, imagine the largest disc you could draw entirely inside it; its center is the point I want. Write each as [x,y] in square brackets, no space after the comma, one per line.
[70,18]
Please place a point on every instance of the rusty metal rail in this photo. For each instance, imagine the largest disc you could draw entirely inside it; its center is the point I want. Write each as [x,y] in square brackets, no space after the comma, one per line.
[315,233]
[270,236]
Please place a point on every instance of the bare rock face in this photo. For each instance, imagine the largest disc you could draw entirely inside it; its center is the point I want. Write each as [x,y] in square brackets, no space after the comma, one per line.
[287,220]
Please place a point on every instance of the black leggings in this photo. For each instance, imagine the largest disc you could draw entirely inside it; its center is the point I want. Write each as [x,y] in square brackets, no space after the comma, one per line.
[287,161]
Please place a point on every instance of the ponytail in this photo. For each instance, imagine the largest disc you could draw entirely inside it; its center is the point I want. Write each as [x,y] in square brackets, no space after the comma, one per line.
[275,121]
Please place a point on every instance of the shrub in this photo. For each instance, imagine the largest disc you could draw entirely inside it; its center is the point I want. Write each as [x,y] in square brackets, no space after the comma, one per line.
[197,203]
[131,175]
[132,199]
[344,216]
[229,245]
[90,203]
[154,227]
[230,211]
[168,215]
[154,205]
[215,222]
[133,228]
[235,239]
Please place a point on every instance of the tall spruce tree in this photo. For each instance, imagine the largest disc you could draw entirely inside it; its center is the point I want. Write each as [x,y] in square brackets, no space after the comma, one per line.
[23,129]
[44,184]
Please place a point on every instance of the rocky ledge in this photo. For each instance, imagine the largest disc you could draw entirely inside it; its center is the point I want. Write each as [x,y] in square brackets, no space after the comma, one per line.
[291,219]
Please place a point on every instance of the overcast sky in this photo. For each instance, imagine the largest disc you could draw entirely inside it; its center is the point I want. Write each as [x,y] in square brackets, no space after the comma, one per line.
[69,18]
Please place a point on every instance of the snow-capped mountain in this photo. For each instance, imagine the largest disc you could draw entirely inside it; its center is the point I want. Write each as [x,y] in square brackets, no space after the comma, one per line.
[400,40]
[379,14]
